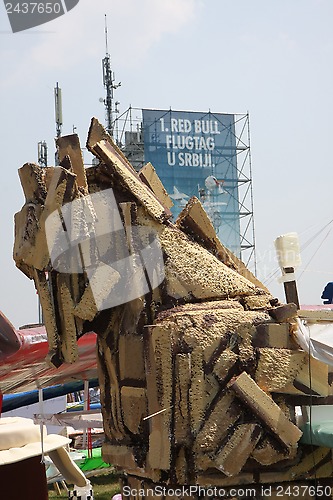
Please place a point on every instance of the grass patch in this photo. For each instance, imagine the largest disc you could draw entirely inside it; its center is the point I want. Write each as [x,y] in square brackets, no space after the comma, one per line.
[104,487]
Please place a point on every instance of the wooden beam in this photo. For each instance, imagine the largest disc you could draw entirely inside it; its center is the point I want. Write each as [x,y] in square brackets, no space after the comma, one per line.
[69,145]
[273,335]
[159,376]
[131,181]
[149,176]
[47,304]
[283,313]
[212,432]
[277,368]
[68,333]
[265,409]
[233,455]
[182,407]
[134,407]
[98,133]
[33,183]
[194,221]
[311,379]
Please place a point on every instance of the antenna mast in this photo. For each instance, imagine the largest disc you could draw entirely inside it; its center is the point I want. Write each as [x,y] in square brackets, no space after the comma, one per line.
[42,154]
[58,115]
[110,86]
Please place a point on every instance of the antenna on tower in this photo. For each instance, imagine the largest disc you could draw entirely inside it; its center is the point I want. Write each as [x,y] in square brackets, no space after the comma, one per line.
[110,86]
[42,154]
[58,115]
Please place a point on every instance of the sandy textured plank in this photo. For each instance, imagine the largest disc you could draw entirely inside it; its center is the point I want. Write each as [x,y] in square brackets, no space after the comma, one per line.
[134,407]
[68,334]
[278,367]
[114,409]
[233,455]
[273,335]
[47,304]
[149,176]
[26,230]
[98,133]
[32,178]
[194,221]
[69,145]
[311,379]
[265,409]
[213,430]
[97,292]
[131,348]
[121,456]
[62,189]
[130,180]
[182,407]
[159,394]
[268,452]
[225,365]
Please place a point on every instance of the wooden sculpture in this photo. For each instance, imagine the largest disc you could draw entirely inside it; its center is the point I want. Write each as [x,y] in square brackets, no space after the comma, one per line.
[200,375]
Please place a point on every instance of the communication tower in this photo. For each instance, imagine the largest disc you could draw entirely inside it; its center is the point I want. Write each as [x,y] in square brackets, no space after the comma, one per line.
[58,115]
[42,154]
[110,86]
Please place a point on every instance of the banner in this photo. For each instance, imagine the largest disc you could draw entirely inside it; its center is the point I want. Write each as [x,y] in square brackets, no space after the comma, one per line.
[195,154]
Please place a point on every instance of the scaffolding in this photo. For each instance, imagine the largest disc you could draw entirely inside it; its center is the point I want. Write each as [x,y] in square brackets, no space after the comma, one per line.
[129,135]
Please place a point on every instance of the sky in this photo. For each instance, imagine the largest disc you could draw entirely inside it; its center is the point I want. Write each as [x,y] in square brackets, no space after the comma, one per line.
[272,59]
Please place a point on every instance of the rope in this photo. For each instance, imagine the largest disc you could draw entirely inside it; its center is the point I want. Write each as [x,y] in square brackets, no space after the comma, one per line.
[311,258]
[268,279]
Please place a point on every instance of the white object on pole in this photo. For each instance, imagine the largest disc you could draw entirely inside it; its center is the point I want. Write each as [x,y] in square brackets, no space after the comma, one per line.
[288,250]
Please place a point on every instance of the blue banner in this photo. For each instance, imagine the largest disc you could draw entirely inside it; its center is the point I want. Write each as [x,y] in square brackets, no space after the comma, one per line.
[195,154]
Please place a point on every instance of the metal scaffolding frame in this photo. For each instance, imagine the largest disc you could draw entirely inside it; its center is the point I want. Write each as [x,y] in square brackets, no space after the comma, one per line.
[128,134]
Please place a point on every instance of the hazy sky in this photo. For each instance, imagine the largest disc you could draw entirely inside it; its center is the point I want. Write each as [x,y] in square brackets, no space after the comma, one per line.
[272,58]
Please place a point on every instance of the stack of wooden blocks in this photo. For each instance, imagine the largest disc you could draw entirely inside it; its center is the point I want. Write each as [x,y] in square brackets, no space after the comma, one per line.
[200,376]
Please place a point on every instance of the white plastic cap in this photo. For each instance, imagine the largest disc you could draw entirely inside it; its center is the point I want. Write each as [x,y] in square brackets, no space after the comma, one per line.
[288,250]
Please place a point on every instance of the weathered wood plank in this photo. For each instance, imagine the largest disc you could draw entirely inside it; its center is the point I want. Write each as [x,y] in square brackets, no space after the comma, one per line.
[47,304]
[108,152]
[32,178]
[218,424]
[134,407]
[312,379]
[149,176]
[194,221]
[182,407]
[159,392]
[267,452]
[68,333]
[265,409]
[98,133]
[69,145]
[131,348]
[97,292]
[233,455]
[273,335]
[132,182]
[278,367]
